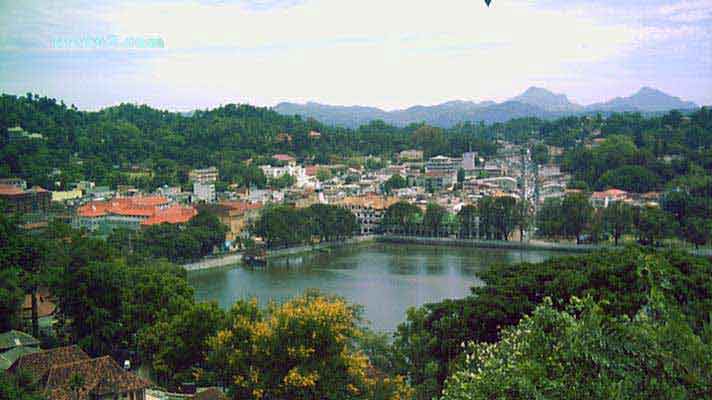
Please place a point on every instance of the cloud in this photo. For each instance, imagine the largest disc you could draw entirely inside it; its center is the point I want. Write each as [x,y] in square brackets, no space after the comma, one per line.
[387,53]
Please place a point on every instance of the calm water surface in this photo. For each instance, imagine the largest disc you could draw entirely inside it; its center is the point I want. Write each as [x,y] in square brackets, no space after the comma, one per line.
[385,278]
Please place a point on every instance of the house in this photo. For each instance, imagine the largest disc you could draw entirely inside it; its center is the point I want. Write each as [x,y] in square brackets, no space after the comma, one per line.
[102,378]
[605,198]
[12,339]
[45,308]
[410,155]
[314,135]
[285,158]
[21,200]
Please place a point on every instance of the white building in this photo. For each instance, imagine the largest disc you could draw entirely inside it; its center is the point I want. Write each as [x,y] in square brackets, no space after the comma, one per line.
[443,164]
[203,192]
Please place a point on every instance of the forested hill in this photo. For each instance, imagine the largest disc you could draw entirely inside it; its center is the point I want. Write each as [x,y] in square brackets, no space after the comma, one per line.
[98,145]
[113,146]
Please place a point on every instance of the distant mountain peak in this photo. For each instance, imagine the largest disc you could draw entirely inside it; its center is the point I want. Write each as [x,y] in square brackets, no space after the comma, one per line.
[546,99]
[646,99]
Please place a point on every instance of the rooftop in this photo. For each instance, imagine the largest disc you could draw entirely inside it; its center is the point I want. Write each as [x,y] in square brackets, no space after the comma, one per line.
[102,376]
[11,339]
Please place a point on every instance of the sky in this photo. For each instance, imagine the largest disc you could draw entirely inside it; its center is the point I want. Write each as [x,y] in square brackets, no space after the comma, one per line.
[384,53]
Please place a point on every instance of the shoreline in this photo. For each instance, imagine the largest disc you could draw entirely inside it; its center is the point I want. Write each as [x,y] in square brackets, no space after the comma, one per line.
[236,258]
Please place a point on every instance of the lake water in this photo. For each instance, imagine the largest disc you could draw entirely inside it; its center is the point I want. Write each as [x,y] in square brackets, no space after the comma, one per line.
[386,279]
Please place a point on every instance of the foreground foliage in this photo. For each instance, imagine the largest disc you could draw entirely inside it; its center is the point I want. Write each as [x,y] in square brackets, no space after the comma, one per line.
[429,341]
[301,349]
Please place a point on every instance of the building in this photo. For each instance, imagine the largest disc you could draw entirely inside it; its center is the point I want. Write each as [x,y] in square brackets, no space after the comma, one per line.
[314,135]
[16,133]
[236,215]
[13,345]
[434,181]
[131,213]
[443,164]
[61,196]
[203,191]
[410,155]
[19,182]
[25,201]
[285,158]
[103,379]
[205,175]
[605,198]
[369,210]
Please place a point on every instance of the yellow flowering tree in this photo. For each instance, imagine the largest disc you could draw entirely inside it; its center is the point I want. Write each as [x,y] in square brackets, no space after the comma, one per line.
[302,349]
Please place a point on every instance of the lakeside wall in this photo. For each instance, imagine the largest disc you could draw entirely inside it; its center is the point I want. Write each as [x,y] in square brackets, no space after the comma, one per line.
[236,258]
[492,244]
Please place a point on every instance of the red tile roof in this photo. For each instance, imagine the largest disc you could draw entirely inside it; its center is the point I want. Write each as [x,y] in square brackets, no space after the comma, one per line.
[10,190]
[38,364]
[102,376]
[609,193]
[283,157]
[175,214]
[139,206]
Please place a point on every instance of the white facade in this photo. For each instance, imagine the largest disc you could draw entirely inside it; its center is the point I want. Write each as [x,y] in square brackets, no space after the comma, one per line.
[203,192]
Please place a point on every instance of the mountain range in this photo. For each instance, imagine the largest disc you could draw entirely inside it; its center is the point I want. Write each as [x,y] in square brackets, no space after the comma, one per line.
[534,102]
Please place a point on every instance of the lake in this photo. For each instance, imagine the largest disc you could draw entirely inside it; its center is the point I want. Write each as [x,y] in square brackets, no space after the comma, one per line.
[386,279]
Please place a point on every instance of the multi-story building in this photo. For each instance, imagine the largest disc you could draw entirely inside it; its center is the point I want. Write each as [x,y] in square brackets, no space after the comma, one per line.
[205,175]
[203,192]
[443,164]
[369,210]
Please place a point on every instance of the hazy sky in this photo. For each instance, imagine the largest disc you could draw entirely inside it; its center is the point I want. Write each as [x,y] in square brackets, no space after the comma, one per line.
[385,53]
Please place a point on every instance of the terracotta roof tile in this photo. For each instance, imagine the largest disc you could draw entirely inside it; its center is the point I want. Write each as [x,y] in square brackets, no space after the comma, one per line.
[38,364]
[102,376]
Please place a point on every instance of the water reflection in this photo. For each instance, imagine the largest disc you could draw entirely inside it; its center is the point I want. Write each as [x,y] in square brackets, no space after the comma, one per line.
[386,279]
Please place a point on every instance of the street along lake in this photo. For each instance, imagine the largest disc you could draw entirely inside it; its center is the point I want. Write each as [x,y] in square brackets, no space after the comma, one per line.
[386,279]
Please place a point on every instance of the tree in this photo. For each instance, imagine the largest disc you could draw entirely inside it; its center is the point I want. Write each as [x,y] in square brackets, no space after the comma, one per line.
[431,140]
[301,349]
[632,178]
[578,213]
[550,220]
[540,154]
[430,339]
[697,231]
[653,224]
[469,222]
[618,219]
[434,218]
[401,217]
[460,176]
[394,182]
[176,345]
[323,174]
[584,353]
